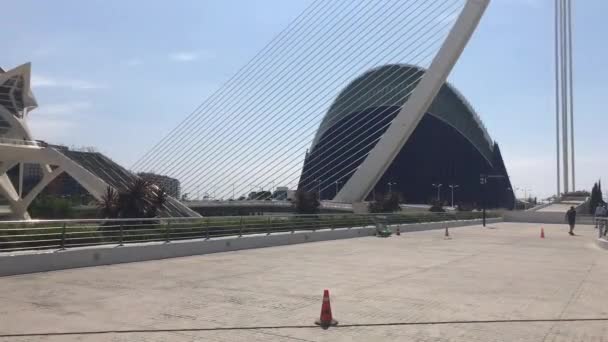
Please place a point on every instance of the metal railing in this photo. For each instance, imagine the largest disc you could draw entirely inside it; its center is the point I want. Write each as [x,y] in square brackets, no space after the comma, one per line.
[62,234]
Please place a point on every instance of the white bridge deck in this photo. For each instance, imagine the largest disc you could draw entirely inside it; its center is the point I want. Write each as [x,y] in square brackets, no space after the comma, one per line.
[505,273]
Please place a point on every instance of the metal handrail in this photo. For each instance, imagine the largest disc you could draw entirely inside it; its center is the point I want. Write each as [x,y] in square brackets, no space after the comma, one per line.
[148,219]
[51,234]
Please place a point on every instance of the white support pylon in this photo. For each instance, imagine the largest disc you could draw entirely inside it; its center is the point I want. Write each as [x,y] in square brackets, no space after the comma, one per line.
[386,149]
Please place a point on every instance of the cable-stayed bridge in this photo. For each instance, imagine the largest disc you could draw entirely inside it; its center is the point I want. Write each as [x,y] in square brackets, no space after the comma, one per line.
[255,131]
[354,76]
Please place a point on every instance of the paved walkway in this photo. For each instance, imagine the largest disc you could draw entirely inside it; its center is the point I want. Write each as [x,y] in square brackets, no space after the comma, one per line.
[557,208]
[505,273]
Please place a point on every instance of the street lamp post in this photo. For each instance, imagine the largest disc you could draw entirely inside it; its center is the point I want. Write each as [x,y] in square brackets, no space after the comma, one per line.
[319,188]
[453,186]
[525,190]
[272,189]
[514,198]
[483,180]
[390,186]
[438,186]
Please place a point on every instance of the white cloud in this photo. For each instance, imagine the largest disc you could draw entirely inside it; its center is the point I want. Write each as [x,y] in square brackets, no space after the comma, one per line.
[39,81]
[84,85]
[184,56]
[63,109]
[189,56]
[57,122]
[133,62]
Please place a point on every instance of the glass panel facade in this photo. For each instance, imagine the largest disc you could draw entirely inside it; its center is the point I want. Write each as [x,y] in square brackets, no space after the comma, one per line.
[449,145]
[11,95]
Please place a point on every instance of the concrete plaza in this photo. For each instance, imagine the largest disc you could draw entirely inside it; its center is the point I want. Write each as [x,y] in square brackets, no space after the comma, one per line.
[505,273]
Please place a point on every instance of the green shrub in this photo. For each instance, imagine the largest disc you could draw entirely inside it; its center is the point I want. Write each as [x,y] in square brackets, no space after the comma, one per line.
[386,204]
[48,207]
[306,202]
[437,207]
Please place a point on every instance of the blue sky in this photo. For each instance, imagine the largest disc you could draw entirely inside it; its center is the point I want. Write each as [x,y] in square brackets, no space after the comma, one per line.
[118,75]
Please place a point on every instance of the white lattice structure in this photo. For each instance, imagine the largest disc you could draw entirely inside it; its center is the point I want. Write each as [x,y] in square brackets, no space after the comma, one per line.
[17,147]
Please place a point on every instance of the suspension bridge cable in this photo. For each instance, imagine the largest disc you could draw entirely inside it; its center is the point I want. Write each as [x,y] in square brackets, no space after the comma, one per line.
[261,93]
[224,92]
[272,95]
[236,77]
[237,133]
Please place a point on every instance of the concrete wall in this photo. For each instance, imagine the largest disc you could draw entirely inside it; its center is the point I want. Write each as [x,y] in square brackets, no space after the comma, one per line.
[540,206]
[22,263]
[543,217]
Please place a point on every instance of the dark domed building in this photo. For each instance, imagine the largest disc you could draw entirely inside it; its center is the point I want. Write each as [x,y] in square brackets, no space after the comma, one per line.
[449,146]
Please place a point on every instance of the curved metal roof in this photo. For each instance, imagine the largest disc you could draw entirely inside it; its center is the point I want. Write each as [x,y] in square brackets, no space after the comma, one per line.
[391,85]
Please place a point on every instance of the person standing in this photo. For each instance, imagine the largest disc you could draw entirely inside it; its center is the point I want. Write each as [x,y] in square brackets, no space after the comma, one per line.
[604,219]
[605,225]
[571,218]
[598,213]
[602,216]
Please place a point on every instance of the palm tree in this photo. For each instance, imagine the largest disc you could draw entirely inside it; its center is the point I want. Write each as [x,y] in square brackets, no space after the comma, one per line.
[386,204]
[108,206]
[141,199]
[137,200]
[159,199]
[306,202]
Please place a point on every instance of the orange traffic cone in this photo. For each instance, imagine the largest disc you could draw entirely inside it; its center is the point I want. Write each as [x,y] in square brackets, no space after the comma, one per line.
[542,233]
[398,232]
[447,233]
[326,320]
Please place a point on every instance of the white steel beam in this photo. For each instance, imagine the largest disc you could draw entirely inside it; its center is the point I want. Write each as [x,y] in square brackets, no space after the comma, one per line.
[571,94]
[564,94]
[384,152]
[557,100]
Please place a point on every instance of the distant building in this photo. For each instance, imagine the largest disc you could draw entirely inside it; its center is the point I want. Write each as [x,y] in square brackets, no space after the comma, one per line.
[280,193]
[169,184]
[63,185]
[449,146]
